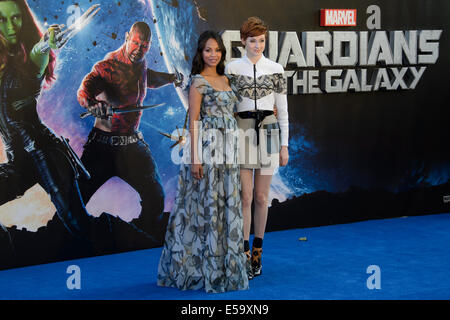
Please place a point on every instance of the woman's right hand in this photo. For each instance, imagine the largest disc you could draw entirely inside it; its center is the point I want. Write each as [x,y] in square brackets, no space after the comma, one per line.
[197,171]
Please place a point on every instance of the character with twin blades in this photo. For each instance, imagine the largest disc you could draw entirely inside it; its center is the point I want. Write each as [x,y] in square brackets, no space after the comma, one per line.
[35,154]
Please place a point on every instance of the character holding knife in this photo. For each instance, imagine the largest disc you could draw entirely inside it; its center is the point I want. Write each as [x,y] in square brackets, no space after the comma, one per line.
[113,92]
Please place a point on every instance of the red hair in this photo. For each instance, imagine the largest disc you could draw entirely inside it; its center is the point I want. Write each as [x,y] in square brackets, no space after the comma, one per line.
[30,34]
[253,27]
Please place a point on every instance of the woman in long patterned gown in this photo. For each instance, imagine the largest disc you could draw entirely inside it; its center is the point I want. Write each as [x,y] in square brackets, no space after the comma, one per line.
[204,240]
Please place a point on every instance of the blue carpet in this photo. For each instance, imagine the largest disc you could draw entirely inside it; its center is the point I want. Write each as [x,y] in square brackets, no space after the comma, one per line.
[412,253]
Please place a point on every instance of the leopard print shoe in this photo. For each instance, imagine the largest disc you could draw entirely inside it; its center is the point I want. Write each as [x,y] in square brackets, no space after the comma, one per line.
[256,261]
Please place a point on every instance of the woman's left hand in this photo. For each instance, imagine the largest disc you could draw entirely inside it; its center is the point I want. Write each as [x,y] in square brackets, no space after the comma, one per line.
[38,54]
[51,36]
[284,156]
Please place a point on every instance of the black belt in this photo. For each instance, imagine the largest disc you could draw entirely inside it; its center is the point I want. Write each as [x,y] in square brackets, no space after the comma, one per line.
[122,140]
[258,115]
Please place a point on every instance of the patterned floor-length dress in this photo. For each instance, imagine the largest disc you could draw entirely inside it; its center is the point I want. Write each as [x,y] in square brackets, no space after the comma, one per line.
[204,240]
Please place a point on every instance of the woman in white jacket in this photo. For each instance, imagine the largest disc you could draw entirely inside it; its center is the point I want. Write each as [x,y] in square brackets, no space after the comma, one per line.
[261,84]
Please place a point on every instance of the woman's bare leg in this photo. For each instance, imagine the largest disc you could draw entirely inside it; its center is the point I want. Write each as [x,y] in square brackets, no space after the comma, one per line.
[263,180]
[247,198]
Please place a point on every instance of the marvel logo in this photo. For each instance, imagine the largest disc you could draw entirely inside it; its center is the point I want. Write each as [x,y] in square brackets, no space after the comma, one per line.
[337,17]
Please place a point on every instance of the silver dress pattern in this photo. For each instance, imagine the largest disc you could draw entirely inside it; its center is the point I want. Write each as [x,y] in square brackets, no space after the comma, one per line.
[204,239]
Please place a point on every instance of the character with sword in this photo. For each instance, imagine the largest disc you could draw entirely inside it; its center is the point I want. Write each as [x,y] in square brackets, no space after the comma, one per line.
[113,92]
[35,153]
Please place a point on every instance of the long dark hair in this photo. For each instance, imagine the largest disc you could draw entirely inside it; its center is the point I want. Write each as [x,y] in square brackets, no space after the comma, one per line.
[30,34]
[197,63]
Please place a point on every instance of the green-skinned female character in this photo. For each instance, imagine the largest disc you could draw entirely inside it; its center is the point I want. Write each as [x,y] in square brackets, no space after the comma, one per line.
[35,154]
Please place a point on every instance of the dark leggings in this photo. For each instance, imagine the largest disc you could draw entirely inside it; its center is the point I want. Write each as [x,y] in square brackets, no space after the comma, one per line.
[47,164]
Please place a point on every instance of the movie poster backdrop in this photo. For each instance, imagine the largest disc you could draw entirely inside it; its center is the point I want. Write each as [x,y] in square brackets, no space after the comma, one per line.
[368,112]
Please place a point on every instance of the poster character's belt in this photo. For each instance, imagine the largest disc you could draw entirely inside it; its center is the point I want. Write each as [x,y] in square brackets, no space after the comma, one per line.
[122,140]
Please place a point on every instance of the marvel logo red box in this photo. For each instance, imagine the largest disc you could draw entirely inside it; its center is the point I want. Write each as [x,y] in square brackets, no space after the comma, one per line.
[337,17]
